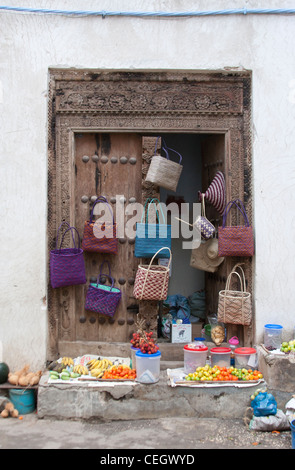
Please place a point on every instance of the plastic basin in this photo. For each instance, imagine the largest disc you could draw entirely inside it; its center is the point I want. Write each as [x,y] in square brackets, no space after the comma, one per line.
[194,357]
[245,358]
[23,400]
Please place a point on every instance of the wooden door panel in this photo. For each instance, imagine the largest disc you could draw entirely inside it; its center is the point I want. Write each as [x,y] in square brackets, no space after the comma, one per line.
[112,169]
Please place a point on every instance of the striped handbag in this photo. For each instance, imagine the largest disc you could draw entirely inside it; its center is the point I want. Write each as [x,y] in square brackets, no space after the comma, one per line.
[151,281]
[100,237]
[235,240]
[150,238]
[67,267]
[101,298]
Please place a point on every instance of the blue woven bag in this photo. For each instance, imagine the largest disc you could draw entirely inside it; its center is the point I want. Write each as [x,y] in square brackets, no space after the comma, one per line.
[150,238]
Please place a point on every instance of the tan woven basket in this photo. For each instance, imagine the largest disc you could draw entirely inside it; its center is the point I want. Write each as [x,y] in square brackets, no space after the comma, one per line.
[151,281]
[235,307]
[164,172]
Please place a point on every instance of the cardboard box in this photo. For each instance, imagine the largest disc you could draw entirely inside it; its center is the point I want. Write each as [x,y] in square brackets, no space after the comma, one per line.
[181,333]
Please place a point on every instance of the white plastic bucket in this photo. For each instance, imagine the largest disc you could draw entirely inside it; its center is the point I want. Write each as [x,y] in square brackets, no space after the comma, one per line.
[220,357]
[272,336]
[147,367]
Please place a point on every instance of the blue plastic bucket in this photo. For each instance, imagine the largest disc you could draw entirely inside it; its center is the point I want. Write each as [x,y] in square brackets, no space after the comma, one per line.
[23,400]
[293,433]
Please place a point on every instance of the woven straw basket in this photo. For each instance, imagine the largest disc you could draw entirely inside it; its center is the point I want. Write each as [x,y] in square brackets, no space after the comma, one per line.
[163,171]
[151,281]
[235,307]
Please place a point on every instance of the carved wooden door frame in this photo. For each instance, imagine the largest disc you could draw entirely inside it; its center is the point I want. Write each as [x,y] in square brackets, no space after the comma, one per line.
[144,102]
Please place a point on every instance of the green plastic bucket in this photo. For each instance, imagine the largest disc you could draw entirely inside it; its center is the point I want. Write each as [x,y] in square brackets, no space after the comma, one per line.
[23,400]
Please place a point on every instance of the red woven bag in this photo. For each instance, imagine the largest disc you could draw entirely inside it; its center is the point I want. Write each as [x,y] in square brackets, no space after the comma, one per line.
[235,240]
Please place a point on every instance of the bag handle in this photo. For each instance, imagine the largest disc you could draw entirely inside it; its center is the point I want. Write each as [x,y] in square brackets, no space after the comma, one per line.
[100,271]
[70,229]
[165,148]
[242,209]
[110,278]
[163,248]
[104,200]
[147,214]
[57,235]
[241,278]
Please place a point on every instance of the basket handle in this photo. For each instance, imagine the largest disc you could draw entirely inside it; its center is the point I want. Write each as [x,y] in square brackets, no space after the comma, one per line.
[105,275]
[57,235]
[100,271]
[242,209]
[241,278]
[104,200]
[163,248]
[70,229]
[165,148]
[149,267]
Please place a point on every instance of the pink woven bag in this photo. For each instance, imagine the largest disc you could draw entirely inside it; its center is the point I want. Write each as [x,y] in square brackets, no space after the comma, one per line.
[235,240]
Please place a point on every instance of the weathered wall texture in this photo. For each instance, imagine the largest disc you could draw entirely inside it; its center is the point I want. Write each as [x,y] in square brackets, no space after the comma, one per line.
[31,43]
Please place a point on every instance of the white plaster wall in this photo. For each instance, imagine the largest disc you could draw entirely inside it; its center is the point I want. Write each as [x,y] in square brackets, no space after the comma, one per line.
[31,43]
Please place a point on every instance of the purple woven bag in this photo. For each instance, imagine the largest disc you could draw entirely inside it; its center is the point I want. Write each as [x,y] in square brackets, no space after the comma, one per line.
[67,267]
[101,298]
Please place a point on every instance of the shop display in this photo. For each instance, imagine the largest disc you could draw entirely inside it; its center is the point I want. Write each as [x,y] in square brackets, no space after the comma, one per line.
[101,298]
[235,240]
[151,281]
[163,171]
[235,307]
[150,238]
[9,410]
[100,237]
[289,346]
[24,377]
[67,267]
[223,374]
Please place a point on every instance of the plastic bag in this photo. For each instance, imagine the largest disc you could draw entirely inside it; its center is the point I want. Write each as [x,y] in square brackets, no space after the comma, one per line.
[178,306]
[277,422]
[217,330]
[264,404]
[197,304]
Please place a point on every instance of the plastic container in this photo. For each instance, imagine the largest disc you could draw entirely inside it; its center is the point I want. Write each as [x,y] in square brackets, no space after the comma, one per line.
[133,356]
[194,357]
[246,358]
[220,357]
[147,367]
[233,343]
[272,336]
[24,401]
[292,425]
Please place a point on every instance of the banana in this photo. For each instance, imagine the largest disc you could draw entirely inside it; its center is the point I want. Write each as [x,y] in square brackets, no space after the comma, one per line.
[67,361]
[96,372]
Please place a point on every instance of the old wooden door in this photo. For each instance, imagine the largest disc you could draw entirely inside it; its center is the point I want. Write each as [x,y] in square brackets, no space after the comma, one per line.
[109,165]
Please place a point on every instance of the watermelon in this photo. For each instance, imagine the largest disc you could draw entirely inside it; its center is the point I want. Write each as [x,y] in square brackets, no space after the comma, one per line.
[4,371]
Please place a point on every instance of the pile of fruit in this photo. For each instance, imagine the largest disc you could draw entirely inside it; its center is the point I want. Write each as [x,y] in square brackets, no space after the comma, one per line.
[287,347]
[9,410]
[121,371]
[24,377]
[217,374]
[143,340]
[97,367]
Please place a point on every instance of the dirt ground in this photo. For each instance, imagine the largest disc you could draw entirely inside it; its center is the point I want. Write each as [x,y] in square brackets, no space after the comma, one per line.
[165,433]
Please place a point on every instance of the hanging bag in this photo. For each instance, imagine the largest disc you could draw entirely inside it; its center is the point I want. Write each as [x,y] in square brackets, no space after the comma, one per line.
[150,238]
[163,171]
[67,267]
[151,281]
[235,307]
[235,240]
[99,236]
[203,224]
[101,298]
